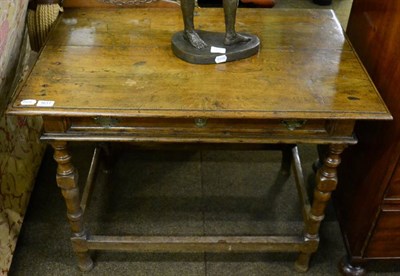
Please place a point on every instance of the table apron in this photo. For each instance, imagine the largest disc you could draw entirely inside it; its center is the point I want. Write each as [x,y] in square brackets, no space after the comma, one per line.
[198,130]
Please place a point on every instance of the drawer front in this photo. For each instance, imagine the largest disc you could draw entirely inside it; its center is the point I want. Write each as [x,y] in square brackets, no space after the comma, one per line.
[385,240]
[198,125]
[202,129]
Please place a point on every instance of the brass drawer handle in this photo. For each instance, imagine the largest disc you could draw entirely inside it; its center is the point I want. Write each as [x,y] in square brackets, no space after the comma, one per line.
[293,124]
[106,121]
[200,122]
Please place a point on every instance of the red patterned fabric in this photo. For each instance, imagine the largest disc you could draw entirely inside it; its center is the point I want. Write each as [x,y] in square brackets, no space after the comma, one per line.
[20,149]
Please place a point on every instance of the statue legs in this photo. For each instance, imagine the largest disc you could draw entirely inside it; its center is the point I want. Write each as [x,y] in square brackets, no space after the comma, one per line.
[187,7]
[231,37]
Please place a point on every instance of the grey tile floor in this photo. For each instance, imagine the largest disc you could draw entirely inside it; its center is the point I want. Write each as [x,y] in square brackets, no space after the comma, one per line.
[181,193]
[176,193]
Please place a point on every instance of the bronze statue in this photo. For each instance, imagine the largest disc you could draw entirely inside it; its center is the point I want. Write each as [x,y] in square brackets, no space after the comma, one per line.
[231,37]
[206,47]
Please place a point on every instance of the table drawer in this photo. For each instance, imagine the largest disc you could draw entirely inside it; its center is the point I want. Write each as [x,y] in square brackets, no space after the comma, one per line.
[199,129]
[198,125]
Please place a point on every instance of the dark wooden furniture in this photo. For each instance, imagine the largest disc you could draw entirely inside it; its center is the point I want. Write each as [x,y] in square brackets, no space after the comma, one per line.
[368,203]
[109,75]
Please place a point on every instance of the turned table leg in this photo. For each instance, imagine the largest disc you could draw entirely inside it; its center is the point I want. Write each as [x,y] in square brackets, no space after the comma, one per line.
[326,181]
[67,180]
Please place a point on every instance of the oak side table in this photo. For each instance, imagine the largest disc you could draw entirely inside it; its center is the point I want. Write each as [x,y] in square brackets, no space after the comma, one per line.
[109,75]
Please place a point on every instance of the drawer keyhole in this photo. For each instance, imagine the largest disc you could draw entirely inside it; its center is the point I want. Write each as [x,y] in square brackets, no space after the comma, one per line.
[200,122]
[293,124]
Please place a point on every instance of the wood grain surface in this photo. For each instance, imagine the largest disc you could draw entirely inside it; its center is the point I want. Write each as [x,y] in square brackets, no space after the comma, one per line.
[108,61]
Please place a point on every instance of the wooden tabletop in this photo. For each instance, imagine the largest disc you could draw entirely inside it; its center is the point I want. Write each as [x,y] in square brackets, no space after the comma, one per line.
[119,62]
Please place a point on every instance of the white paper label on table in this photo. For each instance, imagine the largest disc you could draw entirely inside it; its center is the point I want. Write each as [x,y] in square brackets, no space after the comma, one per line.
[28,102]
[45,103]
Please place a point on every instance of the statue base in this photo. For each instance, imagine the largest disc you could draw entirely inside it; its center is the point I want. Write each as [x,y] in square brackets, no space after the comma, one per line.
[215,41]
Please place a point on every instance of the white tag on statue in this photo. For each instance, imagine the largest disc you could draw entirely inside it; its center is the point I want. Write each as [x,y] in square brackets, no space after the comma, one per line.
[217,50]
